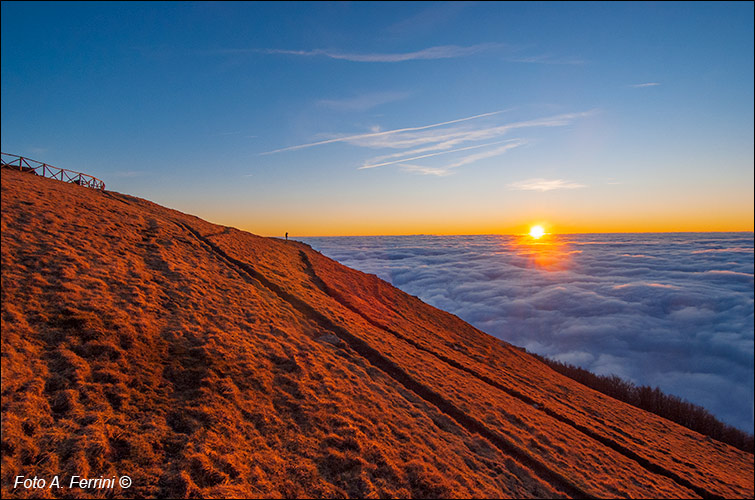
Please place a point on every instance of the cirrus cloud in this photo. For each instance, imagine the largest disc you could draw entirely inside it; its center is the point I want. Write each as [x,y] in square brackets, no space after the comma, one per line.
[362,102]
[444,138]
[539,184]
[439,52]
[430,53]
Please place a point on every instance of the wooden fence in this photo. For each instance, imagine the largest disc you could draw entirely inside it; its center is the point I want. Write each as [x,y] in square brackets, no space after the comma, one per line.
[45,170]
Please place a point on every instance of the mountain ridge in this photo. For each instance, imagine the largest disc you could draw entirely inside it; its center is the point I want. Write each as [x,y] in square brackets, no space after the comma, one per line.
[173,349]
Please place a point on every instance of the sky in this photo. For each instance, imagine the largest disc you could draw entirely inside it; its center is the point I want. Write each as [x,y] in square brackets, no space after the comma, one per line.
[395,118]
[667,310]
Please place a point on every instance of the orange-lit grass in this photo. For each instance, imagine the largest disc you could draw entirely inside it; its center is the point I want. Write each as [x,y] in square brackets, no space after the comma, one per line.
[130,350]
[129,347]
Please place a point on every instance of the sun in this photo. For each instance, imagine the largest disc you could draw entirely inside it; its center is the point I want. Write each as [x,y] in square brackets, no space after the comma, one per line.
[537,232]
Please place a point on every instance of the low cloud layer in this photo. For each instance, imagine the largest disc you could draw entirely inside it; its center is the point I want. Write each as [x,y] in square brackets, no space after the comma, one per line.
[669,310]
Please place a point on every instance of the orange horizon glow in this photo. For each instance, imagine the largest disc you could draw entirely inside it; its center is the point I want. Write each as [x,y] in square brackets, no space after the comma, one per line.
[326,222]
[517,231]
[461,232]
[375,217]
[467,224]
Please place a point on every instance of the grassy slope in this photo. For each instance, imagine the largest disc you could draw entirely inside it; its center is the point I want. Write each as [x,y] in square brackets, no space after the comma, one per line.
[203,360]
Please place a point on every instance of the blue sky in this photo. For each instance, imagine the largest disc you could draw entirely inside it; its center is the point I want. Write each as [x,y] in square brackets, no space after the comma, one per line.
[395,118]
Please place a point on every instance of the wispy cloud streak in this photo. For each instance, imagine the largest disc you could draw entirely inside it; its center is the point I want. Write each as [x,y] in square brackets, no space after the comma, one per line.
[466,160]
[514,143]
[419,169]
[430,53]
[362,102]
[378,134]
[439,52]
[455,136]
[641,85]
[545,59]
[429,155]
[444,138]
[544,185]
[441,142]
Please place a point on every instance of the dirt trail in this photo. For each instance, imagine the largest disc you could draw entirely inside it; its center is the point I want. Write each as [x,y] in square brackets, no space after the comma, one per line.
[396,373]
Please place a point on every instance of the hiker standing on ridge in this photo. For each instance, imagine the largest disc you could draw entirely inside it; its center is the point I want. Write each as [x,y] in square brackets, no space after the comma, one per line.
[286,236]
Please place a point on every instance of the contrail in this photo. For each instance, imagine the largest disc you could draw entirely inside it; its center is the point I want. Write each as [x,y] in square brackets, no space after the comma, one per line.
[377,134]
[431,154]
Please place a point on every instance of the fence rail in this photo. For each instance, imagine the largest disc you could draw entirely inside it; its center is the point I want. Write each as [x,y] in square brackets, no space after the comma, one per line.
[38,168]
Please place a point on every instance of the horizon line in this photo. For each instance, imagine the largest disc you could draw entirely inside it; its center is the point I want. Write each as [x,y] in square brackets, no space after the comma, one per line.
[507,234]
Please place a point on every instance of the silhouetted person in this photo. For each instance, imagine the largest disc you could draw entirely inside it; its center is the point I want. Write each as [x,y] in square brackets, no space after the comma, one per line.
[286,236]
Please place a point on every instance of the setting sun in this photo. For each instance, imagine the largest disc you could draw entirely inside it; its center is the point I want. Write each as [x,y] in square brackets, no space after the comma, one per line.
[537,231]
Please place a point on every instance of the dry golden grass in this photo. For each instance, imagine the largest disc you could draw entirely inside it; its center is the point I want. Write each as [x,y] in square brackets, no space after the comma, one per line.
[203,361]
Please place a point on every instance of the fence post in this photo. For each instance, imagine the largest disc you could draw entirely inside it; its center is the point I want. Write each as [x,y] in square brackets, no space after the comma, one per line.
[62,174]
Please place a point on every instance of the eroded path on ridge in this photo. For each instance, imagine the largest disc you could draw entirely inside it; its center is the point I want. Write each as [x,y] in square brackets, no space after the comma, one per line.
[394,371]
[548,472]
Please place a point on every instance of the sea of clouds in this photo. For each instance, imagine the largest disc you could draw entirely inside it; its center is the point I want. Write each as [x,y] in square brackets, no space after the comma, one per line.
[667,310]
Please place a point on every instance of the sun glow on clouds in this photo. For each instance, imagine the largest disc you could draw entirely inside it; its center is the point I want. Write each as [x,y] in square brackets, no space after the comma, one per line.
[540,250]
[659,309]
